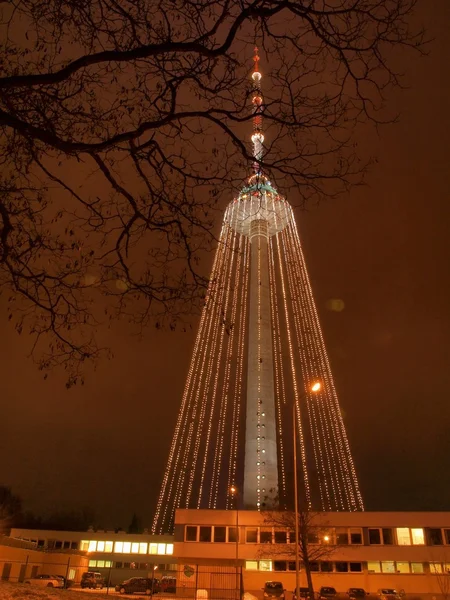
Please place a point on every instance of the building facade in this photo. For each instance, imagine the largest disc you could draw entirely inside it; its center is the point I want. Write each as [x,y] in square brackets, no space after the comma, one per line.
[407,551]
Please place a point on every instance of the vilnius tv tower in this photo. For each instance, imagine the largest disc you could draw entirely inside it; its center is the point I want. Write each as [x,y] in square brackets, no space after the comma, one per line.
[259,348]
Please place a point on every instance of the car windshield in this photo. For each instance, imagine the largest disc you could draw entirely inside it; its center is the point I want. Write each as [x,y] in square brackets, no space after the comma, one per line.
[388,591]
[328,590]
[356,591]
[274,585]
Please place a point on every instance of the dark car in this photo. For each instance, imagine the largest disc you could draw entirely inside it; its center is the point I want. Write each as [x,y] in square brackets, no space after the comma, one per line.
[139,585]
[168,584]
[303,592]
[273,589]
[356,593]
[327,593]
[93,580]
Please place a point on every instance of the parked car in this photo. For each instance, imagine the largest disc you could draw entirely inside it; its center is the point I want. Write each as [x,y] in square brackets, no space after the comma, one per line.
[327,593]
[142,585]
[45,581]
[389,594]
[93,580]
[356,593]
[273,589]
[303,592]
[168,584]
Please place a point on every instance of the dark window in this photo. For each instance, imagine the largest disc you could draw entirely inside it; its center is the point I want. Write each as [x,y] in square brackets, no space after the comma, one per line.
[279,565]
[42,543]
[66,545]
[58,545]
[355,537]
[342,539]
[118,565]
[281,537]
[313,538]
[265,537]
[232,534]
[342,567]
[388,538]
[74,545]
[191,533]
[374,536]
[292,536]
[356,567]
[143,566]
[205,534]
[326,566]
[435,537]
[126,565]
[447,536]
[291,565]
[220,534]
[314,566]
[251,536]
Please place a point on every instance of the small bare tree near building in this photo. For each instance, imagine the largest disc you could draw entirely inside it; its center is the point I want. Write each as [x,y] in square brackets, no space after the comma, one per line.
[315,539]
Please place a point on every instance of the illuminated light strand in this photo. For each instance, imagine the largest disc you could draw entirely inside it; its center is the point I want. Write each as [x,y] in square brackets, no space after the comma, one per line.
[293,374]
[225,386]
[213,357]
[278,376]
[351,477]
[339,434]
[327,465]
[283,250]
[164,499]
[336,441]
[201,381]
[235,420]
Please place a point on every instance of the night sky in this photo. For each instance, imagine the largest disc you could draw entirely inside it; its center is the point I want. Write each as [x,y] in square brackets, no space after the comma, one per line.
[383,250]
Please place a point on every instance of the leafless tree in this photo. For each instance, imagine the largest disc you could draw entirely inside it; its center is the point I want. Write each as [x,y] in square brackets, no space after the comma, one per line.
[315,539]
[122,128]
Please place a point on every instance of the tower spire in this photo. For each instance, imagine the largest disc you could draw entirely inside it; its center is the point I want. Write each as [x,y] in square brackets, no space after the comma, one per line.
[257,101]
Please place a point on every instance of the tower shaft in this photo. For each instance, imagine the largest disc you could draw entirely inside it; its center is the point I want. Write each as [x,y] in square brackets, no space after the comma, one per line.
[260,465]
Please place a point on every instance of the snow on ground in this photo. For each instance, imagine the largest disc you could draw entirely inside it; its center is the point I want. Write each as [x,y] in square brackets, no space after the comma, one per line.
[19,591]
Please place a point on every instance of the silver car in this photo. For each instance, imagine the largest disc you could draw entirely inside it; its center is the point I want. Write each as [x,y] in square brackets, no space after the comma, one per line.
[45,581]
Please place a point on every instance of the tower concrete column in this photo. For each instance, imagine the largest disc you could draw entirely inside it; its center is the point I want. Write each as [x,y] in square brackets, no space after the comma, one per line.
[261,465]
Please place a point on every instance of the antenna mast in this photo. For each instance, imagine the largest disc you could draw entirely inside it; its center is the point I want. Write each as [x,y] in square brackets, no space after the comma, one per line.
[257,101]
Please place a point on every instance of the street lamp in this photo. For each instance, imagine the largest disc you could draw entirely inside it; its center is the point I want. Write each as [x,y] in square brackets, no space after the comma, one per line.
[233,491]
[316,387]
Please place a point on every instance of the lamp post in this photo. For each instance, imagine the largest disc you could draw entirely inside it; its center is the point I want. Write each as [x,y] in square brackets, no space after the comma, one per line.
[233,491]
[314,388]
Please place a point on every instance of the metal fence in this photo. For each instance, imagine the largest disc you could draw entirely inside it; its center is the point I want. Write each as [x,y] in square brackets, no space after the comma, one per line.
[190,581]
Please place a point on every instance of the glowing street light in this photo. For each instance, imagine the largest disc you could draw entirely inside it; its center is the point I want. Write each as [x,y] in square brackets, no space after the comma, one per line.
[315,388]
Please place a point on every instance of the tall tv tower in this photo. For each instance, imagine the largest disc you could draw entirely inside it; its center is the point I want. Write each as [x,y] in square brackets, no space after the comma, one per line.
[258,349]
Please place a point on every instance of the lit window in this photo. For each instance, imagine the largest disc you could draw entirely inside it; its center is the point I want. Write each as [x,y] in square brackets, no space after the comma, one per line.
[417,537]
[84,545]
[417,567]
[108,546]
[118,547]
[161,548]
[403,537]
[373,567]
[169,548]
[387,566]
[126,547]
[72,573]
[108,564]
[153,548]
[92,546]
[251,565]
[265,565]
[402,567]
[100,546]
[143,547]
[435,568]
[135,548]
[101,564]
[92,563]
